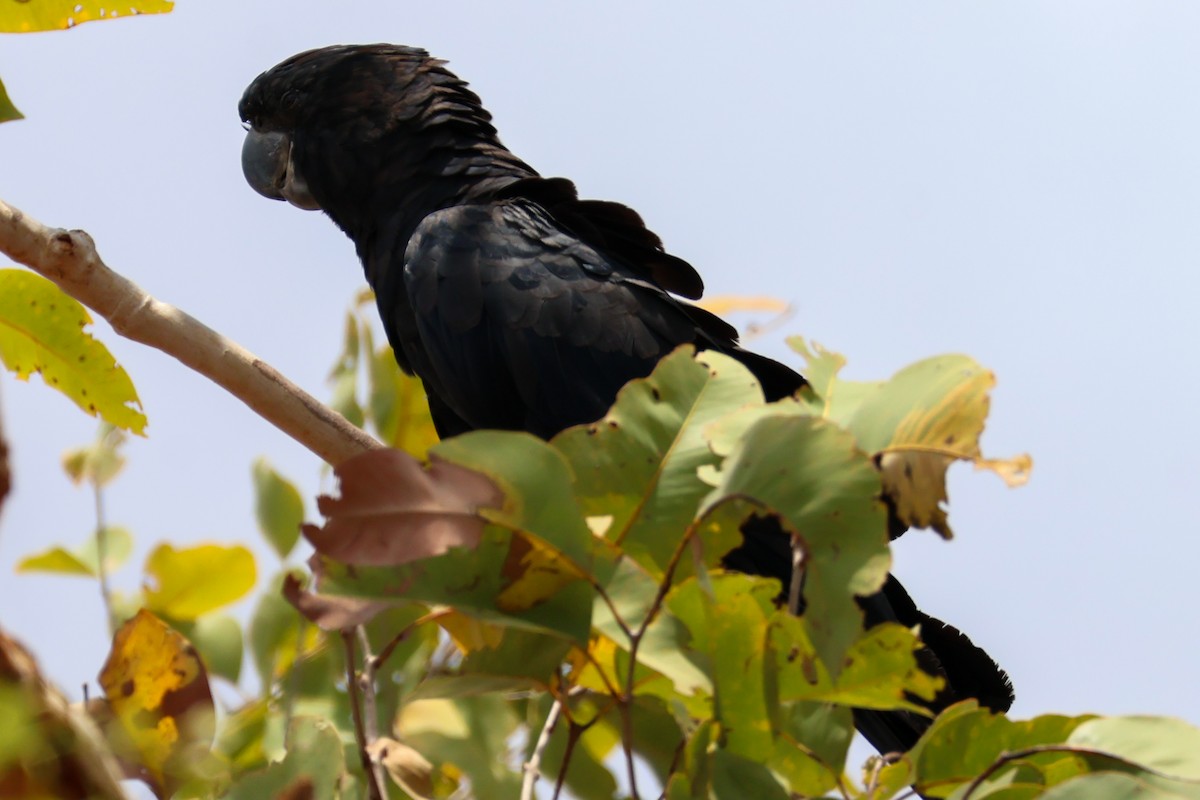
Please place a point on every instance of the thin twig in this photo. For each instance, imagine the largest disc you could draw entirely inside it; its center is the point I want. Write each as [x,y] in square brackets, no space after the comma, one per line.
[102,556]
[574,734]
[378,660]
[374,788]
[69,259]
[367,682]
[533,765]
[635,642]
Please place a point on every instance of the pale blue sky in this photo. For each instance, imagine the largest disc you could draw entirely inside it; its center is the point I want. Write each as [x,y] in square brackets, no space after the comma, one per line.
[1019,181]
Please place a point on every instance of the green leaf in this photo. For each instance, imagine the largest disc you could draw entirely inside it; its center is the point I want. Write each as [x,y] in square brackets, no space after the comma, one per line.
[588,777]
[49,15]
[278,507]
[41,330]
[531,565]
[520,660]
[315,759]
[473,582]
[828,395]
[1121,786]
[638,464]
[965,740]
[240,738]
[344,375]
[813,474]
[810,753]
[918,422]
[218,638]
[469,733]
[729,629]
[99,462]
[537,484]
[880,669]
[83,560]
[736,778]
[56,560]
[399,409]
[182,581]
[631,590]
[274,633]
[1163,744]
[8,112]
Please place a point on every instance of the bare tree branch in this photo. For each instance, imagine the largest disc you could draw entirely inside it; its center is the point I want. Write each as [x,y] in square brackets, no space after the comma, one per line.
[371,722]
[534,764]
[69,259]
[375,789]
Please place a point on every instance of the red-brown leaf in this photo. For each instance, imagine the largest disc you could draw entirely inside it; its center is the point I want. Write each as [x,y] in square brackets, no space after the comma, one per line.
[394,510]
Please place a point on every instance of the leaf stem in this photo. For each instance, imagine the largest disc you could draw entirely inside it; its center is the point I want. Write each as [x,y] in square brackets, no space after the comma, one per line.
[374,785]
[102,556]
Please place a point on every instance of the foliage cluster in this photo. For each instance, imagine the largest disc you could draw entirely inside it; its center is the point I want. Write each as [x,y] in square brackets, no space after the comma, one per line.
[492,608]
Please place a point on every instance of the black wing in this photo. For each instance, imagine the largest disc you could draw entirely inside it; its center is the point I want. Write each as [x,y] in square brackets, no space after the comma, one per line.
[520,325]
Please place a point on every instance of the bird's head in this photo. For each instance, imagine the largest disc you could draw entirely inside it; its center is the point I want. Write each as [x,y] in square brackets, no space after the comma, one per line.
[314,99]
[353,128]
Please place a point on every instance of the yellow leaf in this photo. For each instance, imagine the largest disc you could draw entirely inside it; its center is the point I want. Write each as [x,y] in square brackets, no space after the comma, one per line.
[535,572]
[158,693]
[196,580]
[468,633]
[916,484]
[731,303]
[1013,471]
[56,559]
[41,330]
[587,672]
[49,15]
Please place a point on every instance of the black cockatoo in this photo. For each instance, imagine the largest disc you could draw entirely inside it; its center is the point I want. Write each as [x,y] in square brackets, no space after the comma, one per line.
[519,305]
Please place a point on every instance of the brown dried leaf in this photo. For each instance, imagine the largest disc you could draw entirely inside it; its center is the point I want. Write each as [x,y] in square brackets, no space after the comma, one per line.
[394,510]
[408,768]
[328,612]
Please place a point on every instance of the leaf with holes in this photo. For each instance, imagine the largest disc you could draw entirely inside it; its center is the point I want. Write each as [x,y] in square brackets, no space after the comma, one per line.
[638,465]
[52,15]
[924,418]
[41,330]
[826,490]
[157,691]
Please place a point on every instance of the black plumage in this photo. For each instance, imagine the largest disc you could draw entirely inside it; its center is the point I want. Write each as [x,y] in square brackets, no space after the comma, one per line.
[519,305]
